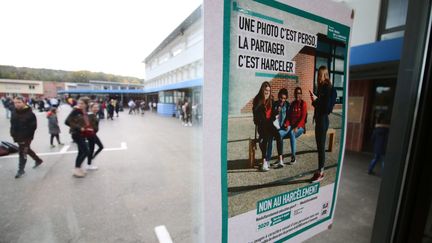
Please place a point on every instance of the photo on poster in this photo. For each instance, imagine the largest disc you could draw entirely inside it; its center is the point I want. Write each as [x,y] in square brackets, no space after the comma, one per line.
[284,90]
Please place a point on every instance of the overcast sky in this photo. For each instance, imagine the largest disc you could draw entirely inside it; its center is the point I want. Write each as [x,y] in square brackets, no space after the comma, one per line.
[111,36]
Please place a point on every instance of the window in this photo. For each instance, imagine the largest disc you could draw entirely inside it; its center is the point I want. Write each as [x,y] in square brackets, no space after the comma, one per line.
[194,39]
[331,54]
[164,58]
[177,49]
[392,19]
[166,97]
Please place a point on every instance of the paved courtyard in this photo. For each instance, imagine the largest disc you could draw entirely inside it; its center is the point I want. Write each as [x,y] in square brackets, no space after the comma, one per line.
[149,176]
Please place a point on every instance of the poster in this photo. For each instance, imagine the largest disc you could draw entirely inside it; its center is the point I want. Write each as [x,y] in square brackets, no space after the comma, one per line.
[283,116]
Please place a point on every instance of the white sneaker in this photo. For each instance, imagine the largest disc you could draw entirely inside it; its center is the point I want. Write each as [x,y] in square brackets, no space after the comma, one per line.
[190,124]
[265,166]
[92,167]
[281,163]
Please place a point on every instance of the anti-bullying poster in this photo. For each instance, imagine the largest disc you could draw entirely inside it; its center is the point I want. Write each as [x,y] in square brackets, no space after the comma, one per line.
[282,121]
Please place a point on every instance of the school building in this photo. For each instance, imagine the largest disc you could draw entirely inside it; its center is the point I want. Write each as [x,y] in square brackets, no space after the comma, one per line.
[174,70]
[30,88]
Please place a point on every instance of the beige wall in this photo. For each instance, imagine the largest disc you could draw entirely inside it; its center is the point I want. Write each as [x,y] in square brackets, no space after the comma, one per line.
[11,86]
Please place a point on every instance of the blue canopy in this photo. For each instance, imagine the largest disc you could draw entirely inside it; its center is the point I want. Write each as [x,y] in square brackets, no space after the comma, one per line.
[181,85]
[377,52]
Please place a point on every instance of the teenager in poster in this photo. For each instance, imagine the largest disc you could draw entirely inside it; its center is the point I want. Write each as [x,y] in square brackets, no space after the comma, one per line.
[296,122]
[264,115]
[321,103]
[281,107]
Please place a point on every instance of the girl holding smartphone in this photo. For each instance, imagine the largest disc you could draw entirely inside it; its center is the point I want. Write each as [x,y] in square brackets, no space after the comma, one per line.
[321,104]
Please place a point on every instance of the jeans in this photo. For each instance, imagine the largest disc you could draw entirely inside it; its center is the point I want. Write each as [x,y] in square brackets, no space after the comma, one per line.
[266,135]
[8,113]
[321,127]
[374,161]
[23,150]
[83,150]
[92,141]
[293,137]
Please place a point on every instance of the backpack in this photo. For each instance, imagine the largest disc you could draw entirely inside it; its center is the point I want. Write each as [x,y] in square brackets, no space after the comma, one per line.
[332,100]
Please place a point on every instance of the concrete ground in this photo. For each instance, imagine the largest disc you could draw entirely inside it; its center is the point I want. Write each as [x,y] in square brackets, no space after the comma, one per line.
[155,181]
[356,204]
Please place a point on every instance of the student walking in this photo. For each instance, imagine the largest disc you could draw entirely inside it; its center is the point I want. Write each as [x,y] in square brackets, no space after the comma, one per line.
[142,106]
[379,139]
[80,129]
[116,107]
[23,126]
[131,105]
[281,107]
[187,110]
[323,106]
[94,140]
[264,115]
[53,127]
[8,104]
[110,110]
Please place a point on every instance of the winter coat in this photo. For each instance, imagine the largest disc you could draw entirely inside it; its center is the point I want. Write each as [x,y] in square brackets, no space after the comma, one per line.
[379,138]
[23,124]
[53,125]
[322,102]
[94,121]
[75,121]
[260,116]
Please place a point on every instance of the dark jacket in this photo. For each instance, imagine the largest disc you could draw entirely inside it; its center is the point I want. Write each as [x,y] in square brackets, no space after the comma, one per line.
[321,103]
[75,121]
[9,104]
[259,114]
[23,124]
[53,126]
[379,138]
[94,121]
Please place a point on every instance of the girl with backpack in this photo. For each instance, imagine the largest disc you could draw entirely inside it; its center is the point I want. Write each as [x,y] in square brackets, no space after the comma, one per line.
[264,116]
[53,126]
[321,104]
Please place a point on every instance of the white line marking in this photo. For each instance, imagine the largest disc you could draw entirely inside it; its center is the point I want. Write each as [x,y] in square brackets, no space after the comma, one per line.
[123,146]
[162,234]
[64,149]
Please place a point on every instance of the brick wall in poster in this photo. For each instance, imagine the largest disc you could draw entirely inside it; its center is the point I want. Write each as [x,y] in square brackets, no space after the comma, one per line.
[305,68]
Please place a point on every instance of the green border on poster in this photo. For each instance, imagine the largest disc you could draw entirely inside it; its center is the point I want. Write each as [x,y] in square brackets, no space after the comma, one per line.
[224,126]
[225,96]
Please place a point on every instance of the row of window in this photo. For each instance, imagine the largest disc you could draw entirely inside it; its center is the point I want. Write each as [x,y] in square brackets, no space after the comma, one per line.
[190,41]
[185,73]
